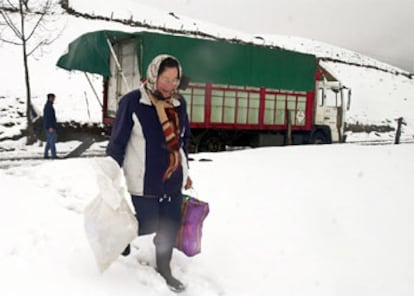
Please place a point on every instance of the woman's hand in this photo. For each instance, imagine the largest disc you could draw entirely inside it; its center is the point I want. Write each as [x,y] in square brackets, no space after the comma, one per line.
[188,183]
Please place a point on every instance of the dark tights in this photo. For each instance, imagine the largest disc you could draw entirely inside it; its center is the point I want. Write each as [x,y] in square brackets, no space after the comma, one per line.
[162,216]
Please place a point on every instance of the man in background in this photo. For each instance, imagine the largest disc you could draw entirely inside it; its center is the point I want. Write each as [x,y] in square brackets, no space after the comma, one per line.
[50,125]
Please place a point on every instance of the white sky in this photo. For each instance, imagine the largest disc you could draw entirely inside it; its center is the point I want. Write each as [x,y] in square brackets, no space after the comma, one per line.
[383,29]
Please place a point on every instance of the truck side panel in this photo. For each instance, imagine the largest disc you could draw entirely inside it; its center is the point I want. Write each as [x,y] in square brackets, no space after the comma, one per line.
[244,108]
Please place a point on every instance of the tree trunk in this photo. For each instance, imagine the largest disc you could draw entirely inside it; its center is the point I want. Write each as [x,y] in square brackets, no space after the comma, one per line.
[31,137]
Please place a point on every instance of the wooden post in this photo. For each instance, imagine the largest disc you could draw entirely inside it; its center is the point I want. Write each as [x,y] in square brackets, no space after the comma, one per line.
[400,122]
[289,128]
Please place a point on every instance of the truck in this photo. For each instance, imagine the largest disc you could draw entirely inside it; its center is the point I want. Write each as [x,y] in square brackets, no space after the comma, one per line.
[237,93]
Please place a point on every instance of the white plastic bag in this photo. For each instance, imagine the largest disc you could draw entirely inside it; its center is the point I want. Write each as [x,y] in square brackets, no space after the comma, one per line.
[110,224]
[109,179]
[109,231]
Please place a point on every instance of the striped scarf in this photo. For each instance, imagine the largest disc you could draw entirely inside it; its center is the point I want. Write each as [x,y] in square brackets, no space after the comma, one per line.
[171,130]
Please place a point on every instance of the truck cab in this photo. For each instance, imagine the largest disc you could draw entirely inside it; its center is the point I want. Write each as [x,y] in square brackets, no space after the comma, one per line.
[331,103]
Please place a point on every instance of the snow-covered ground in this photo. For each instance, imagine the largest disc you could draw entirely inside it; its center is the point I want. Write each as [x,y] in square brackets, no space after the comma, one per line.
[305,220]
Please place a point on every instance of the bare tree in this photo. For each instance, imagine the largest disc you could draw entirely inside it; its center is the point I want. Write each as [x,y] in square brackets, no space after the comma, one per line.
[23,23]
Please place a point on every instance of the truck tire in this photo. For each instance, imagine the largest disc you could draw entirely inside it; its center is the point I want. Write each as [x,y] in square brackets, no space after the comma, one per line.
[319,137]
[214,144]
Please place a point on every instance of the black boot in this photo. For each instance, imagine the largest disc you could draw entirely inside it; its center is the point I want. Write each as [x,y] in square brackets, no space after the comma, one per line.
[163,268]
[126,251]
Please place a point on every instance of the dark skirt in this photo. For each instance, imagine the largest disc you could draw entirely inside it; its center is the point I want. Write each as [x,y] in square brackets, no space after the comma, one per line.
[159,215]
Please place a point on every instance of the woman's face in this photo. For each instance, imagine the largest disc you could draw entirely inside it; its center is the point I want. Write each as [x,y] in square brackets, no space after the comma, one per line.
[167,81]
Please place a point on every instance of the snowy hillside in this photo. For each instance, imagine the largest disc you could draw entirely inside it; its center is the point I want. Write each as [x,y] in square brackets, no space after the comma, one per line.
[135,14]
[329,51]
[378,96]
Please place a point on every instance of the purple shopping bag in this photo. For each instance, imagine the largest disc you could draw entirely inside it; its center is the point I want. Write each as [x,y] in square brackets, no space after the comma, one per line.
[194,212]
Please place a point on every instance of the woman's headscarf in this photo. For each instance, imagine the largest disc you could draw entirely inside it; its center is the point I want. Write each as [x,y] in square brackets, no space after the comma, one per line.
[153,69]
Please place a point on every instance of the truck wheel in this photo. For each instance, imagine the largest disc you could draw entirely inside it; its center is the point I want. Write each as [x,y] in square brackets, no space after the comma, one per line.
[319,138]
[214,144]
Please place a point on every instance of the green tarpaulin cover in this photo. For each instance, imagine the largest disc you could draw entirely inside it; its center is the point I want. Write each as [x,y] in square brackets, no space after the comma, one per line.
[218,62]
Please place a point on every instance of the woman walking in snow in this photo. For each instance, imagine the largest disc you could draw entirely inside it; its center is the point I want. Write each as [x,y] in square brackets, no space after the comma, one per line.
[149,140]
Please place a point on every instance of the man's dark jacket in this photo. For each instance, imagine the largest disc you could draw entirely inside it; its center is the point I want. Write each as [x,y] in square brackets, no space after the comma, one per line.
[49,116]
